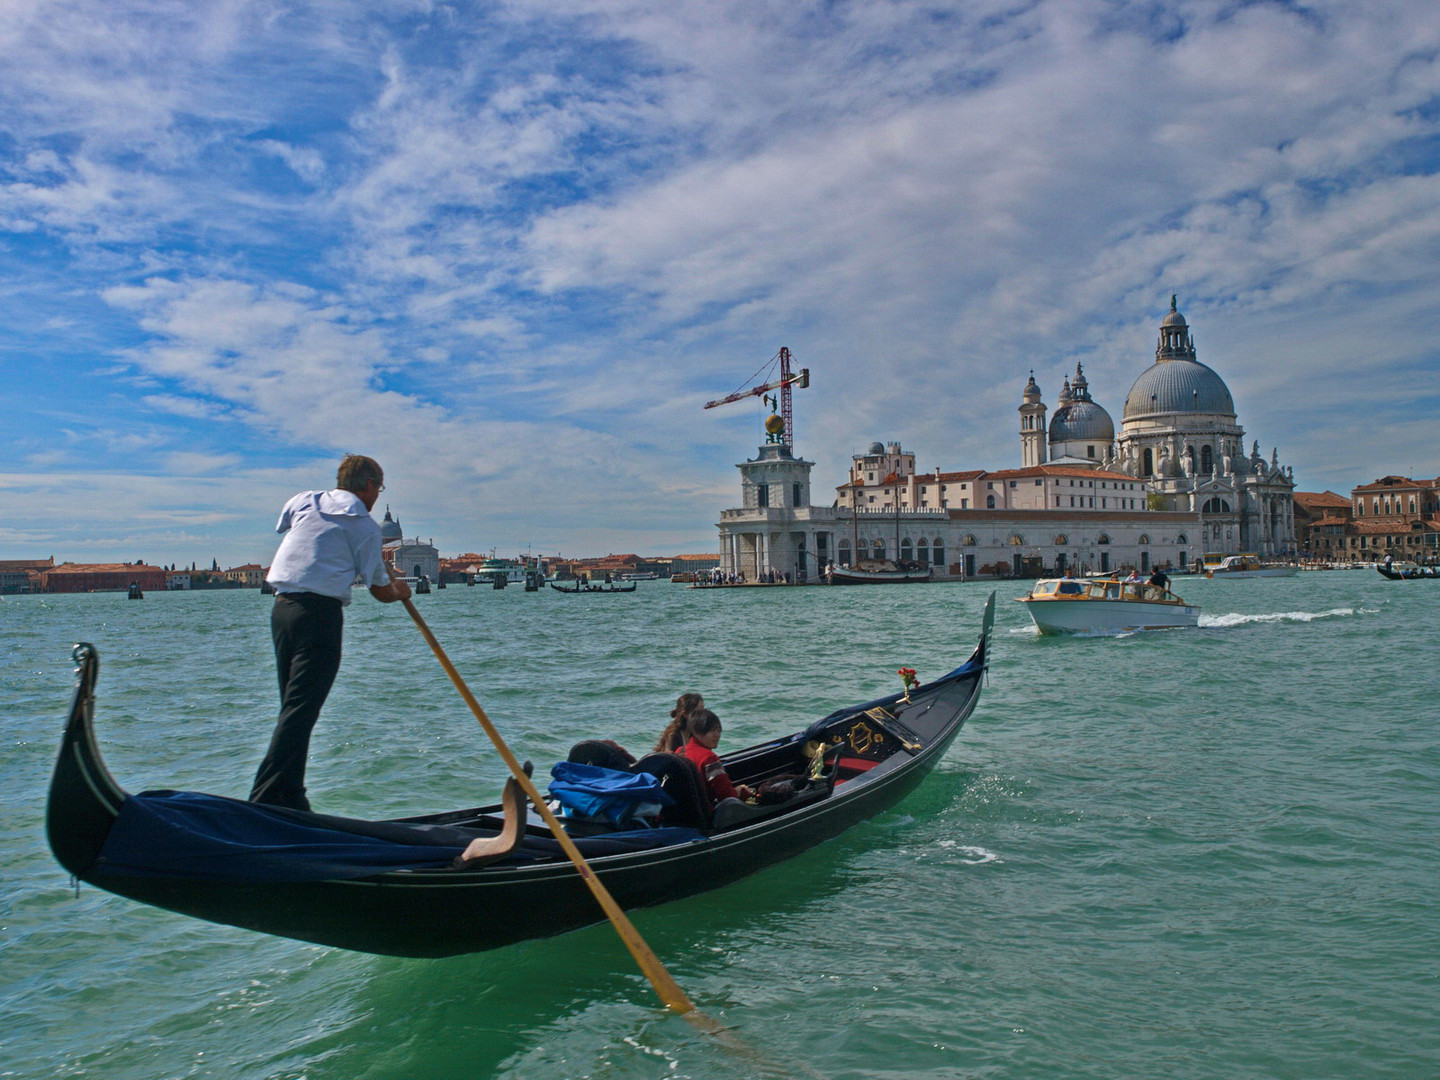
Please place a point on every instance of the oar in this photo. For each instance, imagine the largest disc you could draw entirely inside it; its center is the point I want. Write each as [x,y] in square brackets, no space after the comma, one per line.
[666,987]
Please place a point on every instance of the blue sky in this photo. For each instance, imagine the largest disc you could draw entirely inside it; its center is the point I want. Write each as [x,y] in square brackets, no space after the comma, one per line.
[511,249]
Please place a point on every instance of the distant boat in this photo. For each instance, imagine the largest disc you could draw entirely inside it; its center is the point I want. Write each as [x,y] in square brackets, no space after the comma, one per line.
[878,572]
[640,575]
[583,587]
[1244,565]
[1105,606]
[135,592]
[510,569]
[1396,572]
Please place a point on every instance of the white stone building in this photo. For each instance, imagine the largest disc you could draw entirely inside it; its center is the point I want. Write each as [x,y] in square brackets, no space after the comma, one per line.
[1173,485]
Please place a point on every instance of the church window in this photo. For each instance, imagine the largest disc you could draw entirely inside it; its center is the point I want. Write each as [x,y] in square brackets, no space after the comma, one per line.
[1181,540]
[762,494]
[968,541]
[795,494]
[1144,538]
[1148,468]
[1090,451]
[1207,460]
[1016,540]
[1104,539]
[1061,540]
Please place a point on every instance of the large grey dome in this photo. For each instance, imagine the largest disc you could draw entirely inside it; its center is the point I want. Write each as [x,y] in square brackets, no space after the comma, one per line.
[1178,386]
[1177,383]
[1081,421]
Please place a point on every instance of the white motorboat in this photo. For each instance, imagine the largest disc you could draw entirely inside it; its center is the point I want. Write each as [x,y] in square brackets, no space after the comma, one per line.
[1105,606]
[1245,565]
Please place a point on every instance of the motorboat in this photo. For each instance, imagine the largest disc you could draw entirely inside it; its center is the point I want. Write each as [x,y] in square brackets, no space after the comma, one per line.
[1244,565]
[1105,606]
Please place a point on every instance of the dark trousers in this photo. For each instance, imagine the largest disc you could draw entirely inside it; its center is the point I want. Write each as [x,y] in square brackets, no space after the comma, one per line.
[307,630]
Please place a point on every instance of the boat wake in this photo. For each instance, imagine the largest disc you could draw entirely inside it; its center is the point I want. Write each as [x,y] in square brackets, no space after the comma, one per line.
[1236,619]
[975,856]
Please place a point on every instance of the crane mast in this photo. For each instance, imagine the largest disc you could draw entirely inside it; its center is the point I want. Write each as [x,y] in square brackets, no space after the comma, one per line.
[786,434]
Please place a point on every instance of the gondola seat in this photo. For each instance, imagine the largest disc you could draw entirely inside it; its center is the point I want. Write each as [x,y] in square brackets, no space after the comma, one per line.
[681,781]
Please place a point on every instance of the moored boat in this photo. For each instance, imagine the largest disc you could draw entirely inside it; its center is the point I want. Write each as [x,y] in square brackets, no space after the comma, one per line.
[394,887]
[1105,606]
[877,572]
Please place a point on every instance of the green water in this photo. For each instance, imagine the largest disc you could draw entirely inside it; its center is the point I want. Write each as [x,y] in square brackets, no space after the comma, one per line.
[1188,854]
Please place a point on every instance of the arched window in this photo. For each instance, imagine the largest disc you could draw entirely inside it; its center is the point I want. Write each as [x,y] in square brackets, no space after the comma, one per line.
[969,540]
[937,552]
[1016,540]
[922,552]
[989,502]
[1207,460]
[1144,538]
[879,549]
[1061,540]
[844,553]
[1215,506]
[1181,540]
[1104,539]
[905,551]
[1148,468]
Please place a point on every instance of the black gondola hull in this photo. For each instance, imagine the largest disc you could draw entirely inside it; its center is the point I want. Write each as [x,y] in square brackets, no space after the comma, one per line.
[432,913]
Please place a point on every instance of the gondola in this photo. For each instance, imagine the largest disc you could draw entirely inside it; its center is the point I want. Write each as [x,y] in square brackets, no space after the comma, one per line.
[593,588]
[1410,573]
[394,887]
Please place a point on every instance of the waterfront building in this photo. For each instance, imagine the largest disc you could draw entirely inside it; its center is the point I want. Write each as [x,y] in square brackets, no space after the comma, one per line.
[412,558]
[101,577]
[1172,484]
[251,575]
[1395,516]
[23,575]
[1322,520]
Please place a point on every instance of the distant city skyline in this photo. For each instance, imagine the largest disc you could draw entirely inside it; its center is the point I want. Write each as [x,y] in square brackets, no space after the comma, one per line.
[511,250]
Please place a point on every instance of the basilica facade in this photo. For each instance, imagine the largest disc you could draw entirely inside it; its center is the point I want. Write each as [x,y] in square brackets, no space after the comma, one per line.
[1174,483]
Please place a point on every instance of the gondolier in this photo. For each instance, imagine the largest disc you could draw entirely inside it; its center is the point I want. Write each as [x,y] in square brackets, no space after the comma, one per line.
[330,542]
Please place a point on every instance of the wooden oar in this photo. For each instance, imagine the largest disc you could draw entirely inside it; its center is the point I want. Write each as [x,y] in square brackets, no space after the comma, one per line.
[666,987]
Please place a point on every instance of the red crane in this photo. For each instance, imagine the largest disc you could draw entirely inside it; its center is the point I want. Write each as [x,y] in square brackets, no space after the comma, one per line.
[786,434]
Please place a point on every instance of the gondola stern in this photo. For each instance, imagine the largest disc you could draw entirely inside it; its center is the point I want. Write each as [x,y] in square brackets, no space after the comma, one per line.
[84,798]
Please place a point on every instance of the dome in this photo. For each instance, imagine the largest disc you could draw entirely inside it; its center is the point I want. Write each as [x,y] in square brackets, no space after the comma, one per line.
[877,448]
[1081,421]
[390,529]
[1177,382]
[1178,386]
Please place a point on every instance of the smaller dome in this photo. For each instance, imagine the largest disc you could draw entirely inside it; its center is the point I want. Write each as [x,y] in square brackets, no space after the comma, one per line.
[1174,318]
[1081,421]
[877,448]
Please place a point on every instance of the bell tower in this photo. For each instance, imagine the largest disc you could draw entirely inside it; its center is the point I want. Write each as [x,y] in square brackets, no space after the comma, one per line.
[1032,426]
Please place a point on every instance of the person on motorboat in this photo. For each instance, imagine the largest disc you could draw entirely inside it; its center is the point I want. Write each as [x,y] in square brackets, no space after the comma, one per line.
[1159,581]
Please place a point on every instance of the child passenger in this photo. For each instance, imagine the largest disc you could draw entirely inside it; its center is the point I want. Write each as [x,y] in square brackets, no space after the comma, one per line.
[704,728]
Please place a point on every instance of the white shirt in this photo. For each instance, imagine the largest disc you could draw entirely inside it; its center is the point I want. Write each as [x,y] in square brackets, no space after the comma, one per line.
[330,543]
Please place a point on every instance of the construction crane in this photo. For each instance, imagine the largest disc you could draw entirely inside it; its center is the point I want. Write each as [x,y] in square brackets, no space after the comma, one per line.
[781,429]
